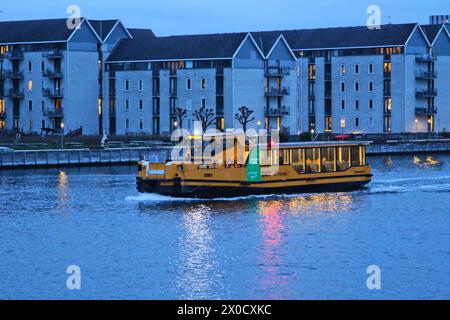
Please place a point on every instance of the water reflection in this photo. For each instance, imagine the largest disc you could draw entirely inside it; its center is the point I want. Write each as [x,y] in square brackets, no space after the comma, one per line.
[272,258]
[63,194]
[196,261]
[320,203]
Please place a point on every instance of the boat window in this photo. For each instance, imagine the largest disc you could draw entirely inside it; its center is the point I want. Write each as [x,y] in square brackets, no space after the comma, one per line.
[284,157]
[312,156]
[343,161]
[298,160]
[265,156]
[328,159]
[356,156]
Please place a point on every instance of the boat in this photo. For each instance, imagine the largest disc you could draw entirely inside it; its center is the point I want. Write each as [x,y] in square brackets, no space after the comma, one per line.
[284,168]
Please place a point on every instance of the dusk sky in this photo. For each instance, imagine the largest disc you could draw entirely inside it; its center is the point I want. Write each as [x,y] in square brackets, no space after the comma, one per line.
[210,16]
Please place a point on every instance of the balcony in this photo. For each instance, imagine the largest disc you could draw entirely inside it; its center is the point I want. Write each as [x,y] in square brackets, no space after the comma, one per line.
[426,93]
[277,112]
[426,58]
[54,113]
[54,94]
[53,74]
[276,72]
[277,92]
[2,114]
[16,75]
[14,55]
[53,54]
[5,74]
[426,75]
[16,94]
[425,111]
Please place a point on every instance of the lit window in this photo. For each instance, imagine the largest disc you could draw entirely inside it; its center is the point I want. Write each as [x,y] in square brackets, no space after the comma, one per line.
[342,69]
[100,106]
[203,83]
[2,106]
[30,85]
[312,72]
[342,122]
[188,84]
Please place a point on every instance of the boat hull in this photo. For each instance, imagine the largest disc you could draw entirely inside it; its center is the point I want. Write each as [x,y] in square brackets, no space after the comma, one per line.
[179,190]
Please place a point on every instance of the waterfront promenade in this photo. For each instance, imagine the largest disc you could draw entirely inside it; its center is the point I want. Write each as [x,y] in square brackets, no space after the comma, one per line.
[20,159]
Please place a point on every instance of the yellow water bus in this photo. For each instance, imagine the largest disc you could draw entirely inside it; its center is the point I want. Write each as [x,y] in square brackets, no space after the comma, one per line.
[282,169]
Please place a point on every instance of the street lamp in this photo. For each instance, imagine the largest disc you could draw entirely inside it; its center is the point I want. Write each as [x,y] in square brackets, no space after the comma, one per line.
[259,127]
[62,135]
[312,135]
[416,121]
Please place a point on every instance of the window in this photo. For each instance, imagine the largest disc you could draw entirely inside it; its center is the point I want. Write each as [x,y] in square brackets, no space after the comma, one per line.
[30,85]
[357,156]
[127,85]
[356,105]
[189,64]
[188,84]
[342,122]
[356,122]
[370,86]
[127,124]
[2,106]
[371,123]
[356,68]
[342,69]
[312,156]
[203,103]
[140,85]
[30,125]
[342,87]
[43,85]
[370,104]
[42,66]
[43,105]
[141,105]
[298,160]
[127,105]
[141,124]
[203,84]
[312,72]
[30,66]
[356,86]
[343,105]
[328,159]
[30,105]
[343,158]
[371,68]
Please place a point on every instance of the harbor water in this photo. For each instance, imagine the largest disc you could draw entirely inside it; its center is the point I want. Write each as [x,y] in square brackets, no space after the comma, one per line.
[306,246]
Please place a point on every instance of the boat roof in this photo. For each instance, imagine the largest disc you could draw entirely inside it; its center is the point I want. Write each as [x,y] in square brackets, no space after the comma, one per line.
[320,144]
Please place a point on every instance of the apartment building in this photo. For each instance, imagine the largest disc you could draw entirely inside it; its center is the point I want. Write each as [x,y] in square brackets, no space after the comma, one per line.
[105,77]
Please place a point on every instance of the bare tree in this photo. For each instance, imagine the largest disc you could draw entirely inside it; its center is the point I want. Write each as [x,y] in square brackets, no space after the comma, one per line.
[244,117]
[205,116]
[180,114]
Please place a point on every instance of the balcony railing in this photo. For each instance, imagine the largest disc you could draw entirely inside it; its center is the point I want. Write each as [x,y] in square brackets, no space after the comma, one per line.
[14,55]
[426,75]
[426,58]
[5,74]
[276,72]
[16,94]
[54,113]
[53,74]
[53,54]
[56,93]
[2,114]
[426,93]
[277,112]
[16,75]
[425,111]
[277,92]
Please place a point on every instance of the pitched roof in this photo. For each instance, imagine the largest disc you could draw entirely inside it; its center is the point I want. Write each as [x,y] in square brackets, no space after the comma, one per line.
[103,27]
[342,37]
[431,31]
[178,47]
[141,33]
[34,31]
